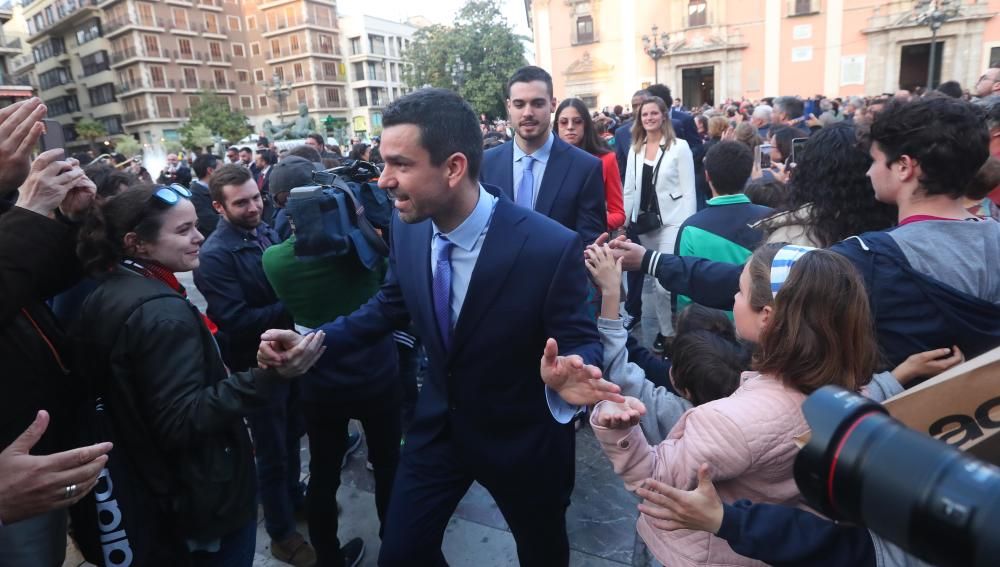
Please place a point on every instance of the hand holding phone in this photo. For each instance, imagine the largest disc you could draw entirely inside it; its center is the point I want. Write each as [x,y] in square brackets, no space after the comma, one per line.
[53,137]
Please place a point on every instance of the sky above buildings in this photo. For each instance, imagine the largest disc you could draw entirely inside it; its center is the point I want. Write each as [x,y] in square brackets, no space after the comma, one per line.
[438,11]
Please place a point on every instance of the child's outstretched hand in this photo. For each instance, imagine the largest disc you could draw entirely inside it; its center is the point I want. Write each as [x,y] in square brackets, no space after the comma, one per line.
[927,364]
[606,271]
[625,415]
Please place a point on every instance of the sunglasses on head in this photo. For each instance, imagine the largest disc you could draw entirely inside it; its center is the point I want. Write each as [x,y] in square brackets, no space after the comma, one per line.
[172,193]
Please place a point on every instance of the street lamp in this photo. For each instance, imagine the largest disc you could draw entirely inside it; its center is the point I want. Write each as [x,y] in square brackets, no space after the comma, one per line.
[934,13]
[279,91]
[459,71]
[656,48]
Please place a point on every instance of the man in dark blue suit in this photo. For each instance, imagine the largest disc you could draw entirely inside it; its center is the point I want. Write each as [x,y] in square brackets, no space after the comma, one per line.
[539,171]
[489,286]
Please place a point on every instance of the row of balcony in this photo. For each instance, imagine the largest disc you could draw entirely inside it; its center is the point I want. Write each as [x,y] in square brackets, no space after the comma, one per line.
[302,50]
[174,84]
[64,14]
[297,20]
[111,27]
[160,53]
[154,114]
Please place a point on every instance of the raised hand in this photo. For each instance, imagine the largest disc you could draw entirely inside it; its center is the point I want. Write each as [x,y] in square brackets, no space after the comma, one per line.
[604,268]
[31,485]
[577,383]
[289,353]
[20,127]
[79,198]
[49,181]
[927,364]
[669,508]
[624,415]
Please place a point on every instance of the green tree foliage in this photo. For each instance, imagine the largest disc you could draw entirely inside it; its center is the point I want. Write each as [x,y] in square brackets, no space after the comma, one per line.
[196,136]
[173,147]
[127,146]
[90,130]
[214,114]
[482,38]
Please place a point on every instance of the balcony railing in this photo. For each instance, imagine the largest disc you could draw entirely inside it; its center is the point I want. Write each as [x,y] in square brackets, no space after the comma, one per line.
[148,114]
[116,24]
[297,20]
[129,53]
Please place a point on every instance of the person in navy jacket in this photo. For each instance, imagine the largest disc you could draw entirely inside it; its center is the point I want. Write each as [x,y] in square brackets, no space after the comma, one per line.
[488,286]
[927,282]
[539,171]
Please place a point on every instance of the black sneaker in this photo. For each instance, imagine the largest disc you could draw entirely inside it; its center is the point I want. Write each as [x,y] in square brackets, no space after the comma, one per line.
[660,344]
[353,551]
[353,442]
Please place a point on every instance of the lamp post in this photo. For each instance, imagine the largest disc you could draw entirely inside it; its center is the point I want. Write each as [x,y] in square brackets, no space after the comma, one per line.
[459,71]
[279,91]
[934,13]
[656,48]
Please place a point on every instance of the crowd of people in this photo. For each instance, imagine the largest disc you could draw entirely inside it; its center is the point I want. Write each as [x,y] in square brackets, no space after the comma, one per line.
[786,245]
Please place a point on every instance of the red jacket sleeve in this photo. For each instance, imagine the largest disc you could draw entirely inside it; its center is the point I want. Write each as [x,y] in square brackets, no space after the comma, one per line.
[613,191]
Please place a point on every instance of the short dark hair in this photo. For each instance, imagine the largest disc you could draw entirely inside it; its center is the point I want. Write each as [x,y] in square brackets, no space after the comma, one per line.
[318,137]
[948,137]
[662,91]
[790,105]
[308,152]
[203,163]
[528,74]
[268,156]
[108,179]
[950,88]
[767,193]
[246,149]
[728,165]
[447,124]
[707,365]
[229,174]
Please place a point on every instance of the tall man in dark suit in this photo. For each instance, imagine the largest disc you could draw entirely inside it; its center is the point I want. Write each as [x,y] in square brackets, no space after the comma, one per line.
[486,283]
[539,171]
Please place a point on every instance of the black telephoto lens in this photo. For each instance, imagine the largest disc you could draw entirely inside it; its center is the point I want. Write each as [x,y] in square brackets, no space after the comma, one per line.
[925,496]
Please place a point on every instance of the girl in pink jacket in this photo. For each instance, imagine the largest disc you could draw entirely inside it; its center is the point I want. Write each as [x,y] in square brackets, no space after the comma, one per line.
[808,312]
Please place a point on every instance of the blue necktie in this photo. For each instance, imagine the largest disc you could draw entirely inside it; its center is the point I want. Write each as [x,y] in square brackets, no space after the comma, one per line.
[441,290]
[526,190]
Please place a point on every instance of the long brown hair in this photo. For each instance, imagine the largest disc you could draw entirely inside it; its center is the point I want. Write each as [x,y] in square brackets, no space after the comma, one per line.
[666,130]
[820,331]
[590,142]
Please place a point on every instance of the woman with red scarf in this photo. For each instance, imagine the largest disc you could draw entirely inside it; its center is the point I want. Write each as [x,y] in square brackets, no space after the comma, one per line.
[168,391]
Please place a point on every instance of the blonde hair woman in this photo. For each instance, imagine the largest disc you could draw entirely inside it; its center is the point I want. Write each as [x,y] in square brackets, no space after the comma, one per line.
[659,192]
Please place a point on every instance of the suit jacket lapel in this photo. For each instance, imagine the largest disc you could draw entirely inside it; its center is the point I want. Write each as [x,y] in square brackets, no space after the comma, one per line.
[505,175]
[555,174]
[418,263]
[500,249]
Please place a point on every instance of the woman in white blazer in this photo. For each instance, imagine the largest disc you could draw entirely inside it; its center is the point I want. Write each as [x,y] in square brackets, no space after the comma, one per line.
[659,191]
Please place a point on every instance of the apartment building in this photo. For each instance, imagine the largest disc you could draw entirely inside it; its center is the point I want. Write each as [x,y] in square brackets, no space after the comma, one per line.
[711,50]
[12,88]
[374,49]
[138,66]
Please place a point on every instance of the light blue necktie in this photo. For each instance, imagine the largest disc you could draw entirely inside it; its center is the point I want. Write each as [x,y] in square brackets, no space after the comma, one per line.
[526,190]
[441,290]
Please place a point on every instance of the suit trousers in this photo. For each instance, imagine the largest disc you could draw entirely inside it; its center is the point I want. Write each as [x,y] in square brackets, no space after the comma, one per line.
[326,424]
[429,485]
